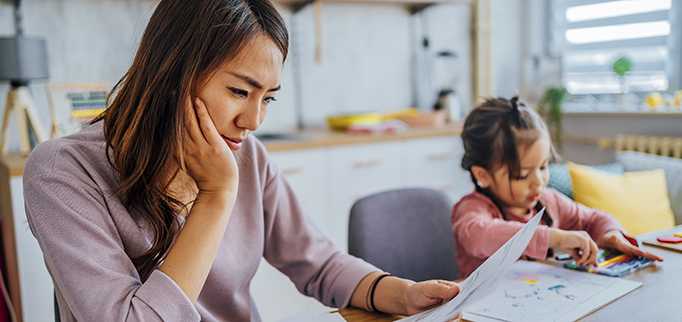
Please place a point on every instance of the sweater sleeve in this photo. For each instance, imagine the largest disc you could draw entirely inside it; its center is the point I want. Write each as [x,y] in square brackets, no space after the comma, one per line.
[86,257]
[576,216]
[296,247]
[479,228]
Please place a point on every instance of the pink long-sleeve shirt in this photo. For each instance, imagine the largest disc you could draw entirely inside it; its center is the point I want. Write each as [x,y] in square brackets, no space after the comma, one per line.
[88,237]
[480,229]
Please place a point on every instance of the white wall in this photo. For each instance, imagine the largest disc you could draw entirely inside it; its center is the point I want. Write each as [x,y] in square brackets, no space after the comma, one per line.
[365,63]
[506,47]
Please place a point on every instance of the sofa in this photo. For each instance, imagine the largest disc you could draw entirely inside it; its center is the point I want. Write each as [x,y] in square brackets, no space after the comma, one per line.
[626,165]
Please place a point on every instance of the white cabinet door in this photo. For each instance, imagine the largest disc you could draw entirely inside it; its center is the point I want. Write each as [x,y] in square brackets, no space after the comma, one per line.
[436,163]
[275,295]
[357,171]
[306,171]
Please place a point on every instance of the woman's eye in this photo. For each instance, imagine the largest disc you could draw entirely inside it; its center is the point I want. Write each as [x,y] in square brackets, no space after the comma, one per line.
[239,92]
[270,100]
[522,177]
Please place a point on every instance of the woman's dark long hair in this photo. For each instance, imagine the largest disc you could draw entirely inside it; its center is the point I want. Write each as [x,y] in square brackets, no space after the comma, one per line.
[185,41]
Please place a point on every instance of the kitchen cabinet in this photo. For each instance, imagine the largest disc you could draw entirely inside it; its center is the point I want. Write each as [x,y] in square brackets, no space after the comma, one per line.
[357,171]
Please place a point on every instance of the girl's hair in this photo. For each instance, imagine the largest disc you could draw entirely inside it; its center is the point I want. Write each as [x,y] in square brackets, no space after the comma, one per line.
[492,135]
[183,44]
[495,130]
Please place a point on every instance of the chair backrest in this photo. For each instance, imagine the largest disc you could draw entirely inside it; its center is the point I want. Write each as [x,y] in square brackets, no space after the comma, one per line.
[405,232]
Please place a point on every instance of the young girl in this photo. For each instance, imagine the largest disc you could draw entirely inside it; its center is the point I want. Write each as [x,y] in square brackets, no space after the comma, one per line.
[162,209]
[506,150]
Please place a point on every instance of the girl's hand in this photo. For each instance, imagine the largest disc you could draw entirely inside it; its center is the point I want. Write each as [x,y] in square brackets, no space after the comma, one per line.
[209,160]
[428,294]
[616,240]
[576,243]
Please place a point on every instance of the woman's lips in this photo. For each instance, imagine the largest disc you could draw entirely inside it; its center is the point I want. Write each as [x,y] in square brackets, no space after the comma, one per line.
[234,145]
[534,197]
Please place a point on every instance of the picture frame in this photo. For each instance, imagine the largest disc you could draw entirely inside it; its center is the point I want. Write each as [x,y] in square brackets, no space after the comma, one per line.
[74,105]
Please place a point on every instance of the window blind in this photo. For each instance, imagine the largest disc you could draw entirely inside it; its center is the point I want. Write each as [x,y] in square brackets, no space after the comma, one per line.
[590,35]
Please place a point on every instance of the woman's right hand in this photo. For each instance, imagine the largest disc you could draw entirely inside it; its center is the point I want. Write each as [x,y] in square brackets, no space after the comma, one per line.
[209,160]
[576,243]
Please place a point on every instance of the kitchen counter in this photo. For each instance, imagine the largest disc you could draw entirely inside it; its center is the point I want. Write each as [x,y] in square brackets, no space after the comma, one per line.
[313,138]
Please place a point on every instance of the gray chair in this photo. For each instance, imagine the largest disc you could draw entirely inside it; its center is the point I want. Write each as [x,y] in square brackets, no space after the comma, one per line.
[405,232]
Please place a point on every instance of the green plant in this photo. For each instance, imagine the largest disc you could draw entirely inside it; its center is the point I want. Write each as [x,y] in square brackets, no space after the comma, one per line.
[621,66]
[551,111]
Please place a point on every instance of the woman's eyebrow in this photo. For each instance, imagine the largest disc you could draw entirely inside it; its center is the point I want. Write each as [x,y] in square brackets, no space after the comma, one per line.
[254,82]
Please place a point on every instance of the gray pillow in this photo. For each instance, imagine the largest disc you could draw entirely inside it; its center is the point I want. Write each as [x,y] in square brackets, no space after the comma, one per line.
[637,161]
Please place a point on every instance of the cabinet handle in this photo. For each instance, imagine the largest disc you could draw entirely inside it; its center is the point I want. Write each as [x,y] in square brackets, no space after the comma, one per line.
[441,155]
[369,163]
[292,170]
[443,186]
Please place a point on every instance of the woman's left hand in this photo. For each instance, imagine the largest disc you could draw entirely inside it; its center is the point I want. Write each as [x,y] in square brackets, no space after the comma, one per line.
[428,294]
[616,240]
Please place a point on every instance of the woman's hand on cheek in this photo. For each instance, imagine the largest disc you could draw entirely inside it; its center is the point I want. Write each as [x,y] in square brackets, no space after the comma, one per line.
[428,294]
[208,159]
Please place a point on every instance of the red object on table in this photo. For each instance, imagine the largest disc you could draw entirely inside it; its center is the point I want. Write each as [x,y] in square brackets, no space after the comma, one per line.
[670,239]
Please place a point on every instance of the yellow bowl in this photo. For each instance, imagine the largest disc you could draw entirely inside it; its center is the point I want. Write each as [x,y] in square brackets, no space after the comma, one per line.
[341,122]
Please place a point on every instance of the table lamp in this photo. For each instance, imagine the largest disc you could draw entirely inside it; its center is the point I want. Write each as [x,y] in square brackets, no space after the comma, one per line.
[22,59]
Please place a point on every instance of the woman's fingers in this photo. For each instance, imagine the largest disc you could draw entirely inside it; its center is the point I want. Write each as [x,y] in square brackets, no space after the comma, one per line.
[208,129]
[457,318]
[425,295]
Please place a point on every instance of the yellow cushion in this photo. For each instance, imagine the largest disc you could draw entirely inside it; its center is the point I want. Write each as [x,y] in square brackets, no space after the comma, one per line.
[639,199]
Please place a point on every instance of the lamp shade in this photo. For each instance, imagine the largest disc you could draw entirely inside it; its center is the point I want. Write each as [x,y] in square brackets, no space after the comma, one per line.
[22,59]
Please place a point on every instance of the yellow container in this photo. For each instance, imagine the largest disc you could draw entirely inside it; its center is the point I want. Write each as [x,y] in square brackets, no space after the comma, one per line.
[341,122]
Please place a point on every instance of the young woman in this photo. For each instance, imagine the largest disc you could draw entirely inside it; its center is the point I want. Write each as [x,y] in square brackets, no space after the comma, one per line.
[506,151]
[161,209]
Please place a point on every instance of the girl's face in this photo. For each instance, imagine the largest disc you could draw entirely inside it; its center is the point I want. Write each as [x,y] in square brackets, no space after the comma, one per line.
[238,93]
[520,195]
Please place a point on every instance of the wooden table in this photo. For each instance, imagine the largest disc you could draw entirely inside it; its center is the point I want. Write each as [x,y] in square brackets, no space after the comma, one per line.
[658,299]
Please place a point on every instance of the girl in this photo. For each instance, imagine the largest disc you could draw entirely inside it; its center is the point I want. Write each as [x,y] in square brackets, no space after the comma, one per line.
[506,150]
[146,215]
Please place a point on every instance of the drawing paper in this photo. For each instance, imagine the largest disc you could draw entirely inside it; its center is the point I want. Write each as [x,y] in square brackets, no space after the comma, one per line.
[540,292]
[485,278]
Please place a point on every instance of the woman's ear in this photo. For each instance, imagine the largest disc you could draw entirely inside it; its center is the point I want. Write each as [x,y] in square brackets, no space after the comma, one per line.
[482,176]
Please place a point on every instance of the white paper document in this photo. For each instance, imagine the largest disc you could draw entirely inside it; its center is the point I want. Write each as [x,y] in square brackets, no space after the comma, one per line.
[485,278]
[541,292]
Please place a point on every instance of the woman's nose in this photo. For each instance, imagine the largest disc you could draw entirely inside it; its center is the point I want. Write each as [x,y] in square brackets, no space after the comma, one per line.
[250,117]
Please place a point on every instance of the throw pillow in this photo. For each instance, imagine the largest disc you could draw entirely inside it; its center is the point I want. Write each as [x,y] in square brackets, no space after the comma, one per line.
[638,199]
[560,178]
[637,161]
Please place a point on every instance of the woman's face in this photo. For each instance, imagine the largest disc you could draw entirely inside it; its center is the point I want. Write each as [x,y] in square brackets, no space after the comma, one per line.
[238,93]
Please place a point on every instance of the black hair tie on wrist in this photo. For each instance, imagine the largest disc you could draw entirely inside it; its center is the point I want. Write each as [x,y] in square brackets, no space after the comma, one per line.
[374,287]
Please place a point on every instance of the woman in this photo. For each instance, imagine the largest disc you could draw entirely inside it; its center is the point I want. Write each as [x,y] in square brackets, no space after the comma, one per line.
[147,215]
